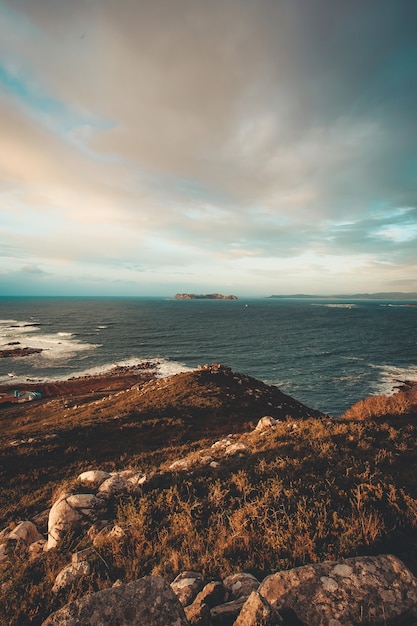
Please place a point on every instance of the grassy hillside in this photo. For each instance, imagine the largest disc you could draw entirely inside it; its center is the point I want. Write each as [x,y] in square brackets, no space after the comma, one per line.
[306,490]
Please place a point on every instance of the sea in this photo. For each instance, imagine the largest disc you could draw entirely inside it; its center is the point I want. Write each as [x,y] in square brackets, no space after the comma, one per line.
[327,354]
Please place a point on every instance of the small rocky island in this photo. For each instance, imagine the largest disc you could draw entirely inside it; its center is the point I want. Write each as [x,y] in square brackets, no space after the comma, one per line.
[13,352]
[207,296]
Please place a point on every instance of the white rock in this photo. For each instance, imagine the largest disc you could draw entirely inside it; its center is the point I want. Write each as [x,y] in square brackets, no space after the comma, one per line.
[206,460]
[27,532]
[69,512]
[113,485]
[265,422]
[236,448]
[93,477]
[179,465]
[223,443]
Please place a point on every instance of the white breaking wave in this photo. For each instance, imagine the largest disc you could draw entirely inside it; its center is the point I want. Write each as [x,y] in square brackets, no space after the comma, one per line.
[392,376]
[56,348]
[163,368]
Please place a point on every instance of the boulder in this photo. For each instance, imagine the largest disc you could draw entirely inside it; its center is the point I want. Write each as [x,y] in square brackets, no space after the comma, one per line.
[258,612]
[146,602]
[371,590]
[212,594]
[93,477]
[236,448]
[240,585]
[112,486]
[265,422]
[187,585]
[69,513]
[226,614]
[19,541]
[26,532]
[198,614]
[70,574]
[180,465]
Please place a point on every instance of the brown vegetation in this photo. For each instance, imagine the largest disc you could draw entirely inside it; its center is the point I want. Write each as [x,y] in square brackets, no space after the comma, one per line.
[402,403]
[310,489]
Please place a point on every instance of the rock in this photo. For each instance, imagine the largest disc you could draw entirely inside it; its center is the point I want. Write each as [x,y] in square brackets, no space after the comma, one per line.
[93,477]
[371,590]
[198,614]
[226,614]
[212,594]
[187,585]
[236,448]
[221,444]
[109,535]
[112,486]
[240,585]
[26,532]
[135,483]
[19,540]
[146,602]
[69,513]
[3,552]
[266,422]
[257,612]
[180,465]
[206,460]
[70,574]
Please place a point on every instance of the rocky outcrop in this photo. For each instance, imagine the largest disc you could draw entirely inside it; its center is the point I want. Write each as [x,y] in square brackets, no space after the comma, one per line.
[149,601]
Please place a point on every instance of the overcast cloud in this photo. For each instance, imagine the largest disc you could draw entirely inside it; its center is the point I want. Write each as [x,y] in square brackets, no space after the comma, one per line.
[185,145]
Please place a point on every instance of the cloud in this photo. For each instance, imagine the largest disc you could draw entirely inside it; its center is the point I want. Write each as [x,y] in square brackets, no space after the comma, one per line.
[186,135]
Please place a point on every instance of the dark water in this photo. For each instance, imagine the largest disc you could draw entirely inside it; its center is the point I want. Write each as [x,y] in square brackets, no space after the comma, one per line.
[327,354]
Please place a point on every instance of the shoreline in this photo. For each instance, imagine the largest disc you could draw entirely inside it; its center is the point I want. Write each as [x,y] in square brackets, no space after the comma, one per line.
[92,386]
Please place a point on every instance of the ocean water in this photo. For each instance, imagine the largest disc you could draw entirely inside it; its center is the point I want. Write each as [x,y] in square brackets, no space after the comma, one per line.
[327,354]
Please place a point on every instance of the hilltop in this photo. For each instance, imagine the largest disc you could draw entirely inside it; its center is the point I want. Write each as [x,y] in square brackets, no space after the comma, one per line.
[199,485]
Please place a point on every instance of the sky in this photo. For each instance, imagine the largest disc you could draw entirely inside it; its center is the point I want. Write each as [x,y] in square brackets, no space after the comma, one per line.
[238,146]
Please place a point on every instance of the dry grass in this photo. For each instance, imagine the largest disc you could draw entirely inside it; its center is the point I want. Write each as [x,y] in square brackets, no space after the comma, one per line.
[310,490]
[401,403]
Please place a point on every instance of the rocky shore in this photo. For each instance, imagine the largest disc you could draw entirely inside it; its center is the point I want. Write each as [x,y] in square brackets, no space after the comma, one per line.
[91,387]
[8,353]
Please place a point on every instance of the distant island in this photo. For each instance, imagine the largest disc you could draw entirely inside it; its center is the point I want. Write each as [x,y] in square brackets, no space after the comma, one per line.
[207,296]
[391,295]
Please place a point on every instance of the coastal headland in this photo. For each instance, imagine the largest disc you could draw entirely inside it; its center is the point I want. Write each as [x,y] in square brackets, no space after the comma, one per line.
[131,479]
